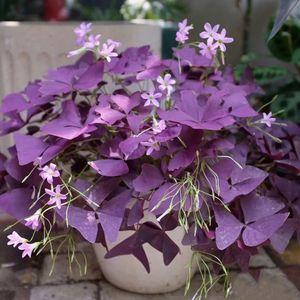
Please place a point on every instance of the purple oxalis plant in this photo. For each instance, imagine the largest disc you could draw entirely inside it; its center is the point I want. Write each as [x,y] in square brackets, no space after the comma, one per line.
[177,137]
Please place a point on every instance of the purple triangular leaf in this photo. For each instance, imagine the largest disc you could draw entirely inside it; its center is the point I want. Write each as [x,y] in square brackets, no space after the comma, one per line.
[149,178]
[83,220]
[111,215]
[110,167]
[29,148]
[256,207]
[258,232]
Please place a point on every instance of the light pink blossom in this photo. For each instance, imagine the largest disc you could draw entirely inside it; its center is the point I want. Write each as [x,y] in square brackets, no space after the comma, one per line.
[33,220]
[28,248]
[267,119]
[107,53]
[181,37]
[56,196]
[161,125]
[208,49]
[165,83]
[116,44]
[37,162]
[15,239]
[221,39]
[49,172]
[76,52]
[92,41]
[83,29]
[152,144]
[209,31]
[183,28]
[151,98]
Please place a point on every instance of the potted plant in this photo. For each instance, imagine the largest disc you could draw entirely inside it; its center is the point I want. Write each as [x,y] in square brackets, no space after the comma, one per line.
[131,147]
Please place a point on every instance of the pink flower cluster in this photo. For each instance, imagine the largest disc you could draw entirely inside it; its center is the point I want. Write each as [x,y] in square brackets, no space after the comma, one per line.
[15,239]
[215,40]
[90,42]
[182,33]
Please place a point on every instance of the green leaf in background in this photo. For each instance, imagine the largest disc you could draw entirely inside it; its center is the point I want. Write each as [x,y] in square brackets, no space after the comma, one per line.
[290,102]
[249,57]
[286,41]
[264,75]
[296,57]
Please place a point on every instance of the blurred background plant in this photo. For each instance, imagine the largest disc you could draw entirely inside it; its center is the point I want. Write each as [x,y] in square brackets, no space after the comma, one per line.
[282,80]
[168,10]
[20,10]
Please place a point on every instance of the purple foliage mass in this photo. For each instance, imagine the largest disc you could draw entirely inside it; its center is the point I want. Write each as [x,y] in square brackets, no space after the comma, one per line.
[209,148]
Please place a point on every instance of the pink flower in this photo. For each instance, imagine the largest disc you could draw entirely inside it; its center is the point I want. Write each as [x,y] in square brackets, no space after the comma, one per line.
[107,52]
[161,125]
[208,33]
[267,119]
[80,40]
[49,172]
[15,239]
[151,98]
[83,29]
[56,196]
[208,49]
[221,39]
[152,144]
[183,28]
[92,41]
[37,162]
[28,248]
[165,83]
[181,37]
[33,220]
[116,44]
[76,52]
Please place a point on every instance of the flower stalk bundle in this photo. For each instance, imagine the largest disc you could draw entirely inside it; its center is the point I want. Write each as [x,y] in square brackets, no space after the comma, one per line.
[176,137]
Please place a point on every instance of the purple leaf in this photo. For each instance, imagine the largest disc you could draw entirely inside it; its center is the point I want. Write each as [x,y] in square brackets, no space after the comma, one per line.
[136,213]
[111,149]
[127,247]
[169,194]
[111,215]
[17,203]
[99,192]
[108,116]
[256,207]
[68,125]
[212,147]
[235,253]
[290,164]
[258,232]
[190,239]
[20,172]
[183,158]
[132,143]
[149,178]
[90,78]
[127,103]
[83,220]
[158,239]
[15,101]
[169,133]
[281,238]
[29,148]
[110,167]
[229,228]
[55,149]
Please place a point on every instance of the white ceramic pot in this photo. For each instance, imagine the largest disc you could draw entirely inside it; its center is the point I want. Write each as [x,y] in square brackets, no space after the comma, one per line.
[127,273]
